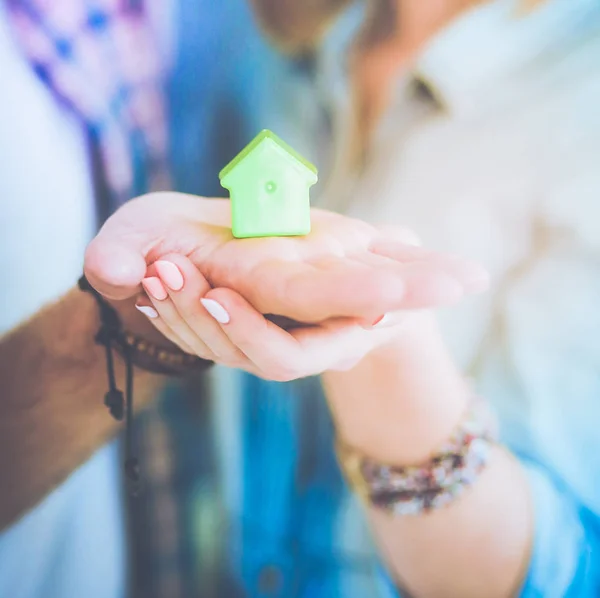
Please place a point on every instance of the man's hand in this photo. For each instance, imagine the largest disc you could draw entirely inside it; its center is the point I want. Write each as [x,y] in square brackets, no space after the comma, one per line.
[343,268]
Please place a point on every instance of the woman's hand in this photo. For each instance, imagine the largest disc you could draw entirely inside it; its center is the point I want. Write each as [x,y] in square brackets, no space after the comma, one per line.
[343,268]
[221,325]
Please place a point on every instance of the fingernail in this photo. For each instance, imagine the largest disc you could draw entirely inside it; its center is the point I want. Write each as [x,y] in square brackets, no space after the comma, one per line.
[147,311]
[381,322]
[170,274]
[216,310]
[155,288]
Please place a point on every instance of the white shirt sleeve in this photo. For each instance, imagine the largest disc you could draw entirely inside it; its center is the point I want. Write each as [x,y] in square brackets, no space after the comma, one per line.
[46,197]
[46,219]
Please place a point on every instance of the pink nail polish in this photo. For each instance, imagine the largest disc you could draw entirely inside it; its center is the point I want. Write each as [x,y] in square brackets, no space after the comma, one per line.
[155,288]
[170,274]
[381,322]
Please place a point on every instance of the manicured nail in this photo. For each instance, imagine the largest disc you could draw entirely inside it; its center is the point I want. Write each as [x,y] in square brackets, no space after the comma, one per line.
[216,310]
[147,311]
[381,322]
[155,288]
[170,274]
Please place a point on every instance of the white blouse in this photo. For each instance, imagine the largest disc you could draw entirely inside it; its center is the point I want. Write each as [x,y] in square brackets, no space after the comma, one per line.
[501,163]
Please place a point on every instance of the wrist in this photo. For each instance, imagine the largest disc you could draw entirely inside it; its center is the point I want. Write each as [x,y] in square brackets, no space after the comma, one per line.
[404,399]
[158,357]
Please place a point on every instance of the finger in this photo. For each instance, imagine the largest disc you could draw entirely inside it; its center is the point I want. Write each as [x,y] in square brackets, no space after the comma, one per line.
[313,292]
[144,306]
[429,283]
[113,268]
[363,286]
[186,286]
[270,348]
[471,275]
[282,355]
[170,318]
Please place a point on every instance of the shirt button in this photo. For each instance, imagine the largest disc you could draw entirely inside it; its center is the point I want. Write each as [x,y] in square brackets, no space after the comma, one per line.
[270,580]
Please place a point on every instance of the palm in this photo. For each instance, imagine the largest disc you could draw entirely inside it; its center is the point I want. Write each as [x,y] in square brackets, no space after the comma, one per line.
[343,268]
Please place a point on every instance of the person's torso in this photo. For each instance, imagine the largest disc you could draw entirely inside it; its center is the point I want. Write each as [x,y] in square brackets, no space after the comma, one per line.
[72,543]
[503,171]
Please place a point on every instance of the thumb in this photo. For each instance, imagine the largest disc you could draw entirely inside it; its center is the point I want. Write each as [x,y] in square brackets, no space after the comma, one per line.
[114,268]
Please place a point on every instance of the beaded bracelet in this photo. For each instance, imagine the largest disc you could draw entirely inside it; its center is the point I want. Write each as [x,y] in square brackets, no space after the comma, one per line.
[433,484]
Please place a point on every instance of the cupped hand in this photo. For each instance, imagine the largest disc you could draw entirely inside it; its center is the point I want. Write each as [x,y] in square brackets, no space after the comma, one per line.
[344,268]
[221,326]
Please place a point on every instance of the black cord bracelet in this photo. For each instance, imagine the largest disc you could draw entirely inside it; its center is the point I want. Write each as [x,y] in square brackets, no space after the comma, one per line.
[110,335]
[137,352]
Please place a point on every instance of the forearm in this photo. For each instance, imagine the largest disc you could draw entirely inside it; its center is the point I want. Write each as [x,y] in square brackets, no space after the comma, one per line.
[52,416]
[397,406]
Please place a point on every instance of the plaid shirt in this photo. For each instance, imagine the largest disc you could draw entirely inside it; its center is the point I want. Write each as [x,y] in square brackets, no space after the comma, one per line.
[100,58]
[243,496]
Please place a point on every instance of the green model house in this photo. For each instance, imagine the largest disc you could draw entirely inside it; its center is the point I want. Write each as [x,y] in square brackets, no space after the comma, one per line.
[269,186]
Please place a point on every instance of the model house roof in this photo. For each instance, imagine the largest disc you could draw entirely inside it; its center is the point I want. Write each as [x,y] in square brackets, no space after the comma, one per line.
[266,134]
